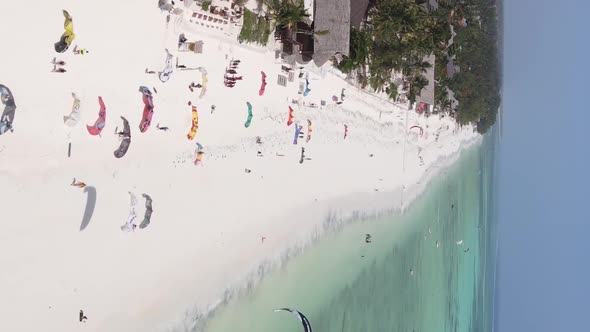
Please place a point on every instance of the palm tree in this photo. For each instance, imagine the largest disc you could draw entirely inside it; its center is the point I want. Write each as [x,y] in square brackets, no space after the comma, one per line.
[391,91]
[287,13]
[314,34]
[420,67]
[418,83]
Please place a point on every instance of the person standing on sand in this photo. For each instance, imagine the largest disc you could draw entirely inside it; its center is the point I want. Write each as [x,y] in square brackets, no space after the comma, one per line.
[82,317]
[78,184]
[82,51]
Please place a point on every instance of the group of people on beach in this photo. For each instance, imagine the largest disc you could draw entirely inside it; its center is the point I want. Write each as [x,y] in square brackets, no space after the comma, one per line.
[230,78]
[64,43]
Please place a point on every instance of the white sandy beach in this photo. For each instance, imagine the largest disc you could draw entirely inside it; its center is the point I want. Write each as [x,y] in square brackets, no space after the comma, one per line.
[208,220]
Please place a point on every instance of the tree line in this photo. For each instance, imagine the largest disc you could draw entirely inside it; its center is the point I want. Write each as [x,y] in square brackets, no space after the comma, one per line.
[399,34]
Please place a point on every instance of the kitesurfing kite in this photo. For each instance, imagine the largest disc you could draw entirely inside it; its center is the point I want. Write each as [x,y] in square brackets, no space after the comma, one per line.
[263,84]
[290,120]
[68,36]
[148,211]
[101,121]
[125,136]
[302,158]
[249,119]
[165,74]
[302,318]
[298,129]
[421,130]
[204,81]
[307,89]
[148,109]
[194,124]
[199,154]
[72,119]
[345,131]
[309,130]
[7,116]
[130,225]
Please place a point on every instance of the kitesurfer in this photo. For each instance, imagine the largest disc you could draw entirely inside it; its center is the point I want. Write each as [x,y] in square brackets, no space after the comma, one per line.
[58,70]
[78,184]
[161,128]
[368,238]
[302,155]
[58,62]
[82,317]
[193,85]
[199,159]
[68,36]
[123,135]
[82,51]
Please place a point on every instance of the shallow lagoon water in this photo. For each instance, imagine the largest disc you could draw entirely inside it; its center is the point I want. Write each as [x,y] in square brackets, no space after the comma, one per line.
[401,281]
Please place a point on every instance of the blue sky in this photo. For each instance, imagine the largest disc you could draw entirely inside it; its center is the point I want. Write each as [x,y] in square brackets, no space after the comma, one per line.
[544,231]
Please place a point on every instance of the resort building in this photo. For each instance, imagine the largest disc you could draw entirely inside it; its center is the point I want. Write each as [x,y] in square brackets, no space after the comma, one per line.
[327,34]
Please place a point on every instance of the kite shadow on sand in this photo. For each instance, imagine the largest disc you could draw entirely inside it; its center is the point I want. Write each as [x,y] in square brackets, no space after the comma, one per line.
[89,210]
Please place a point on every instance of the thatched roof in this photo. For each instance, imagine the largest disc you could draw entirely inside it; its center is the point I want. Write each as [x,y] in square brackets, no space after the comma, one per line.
[427,94]
[332,16]
[358,11]
[428,5]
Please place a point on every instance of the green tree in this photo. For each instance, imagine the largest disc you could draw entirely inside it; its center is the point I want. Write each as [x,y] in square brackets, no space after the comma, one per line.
[360,46]
[287,13]
[418,83]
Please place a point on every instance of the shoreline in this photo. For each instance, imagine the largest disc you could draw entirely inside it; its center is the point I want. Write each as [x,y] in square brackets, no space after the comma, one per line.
[334,220]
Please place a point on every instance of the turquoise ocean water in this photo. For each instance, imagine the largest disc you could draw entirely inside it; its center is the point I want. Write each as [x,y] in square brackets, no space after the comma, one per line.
[401,281]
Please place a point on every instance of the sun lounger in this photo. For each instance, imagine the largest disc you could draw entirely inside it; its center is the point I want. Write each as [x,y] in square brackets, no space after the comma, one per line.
[291,76]
[282,80]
